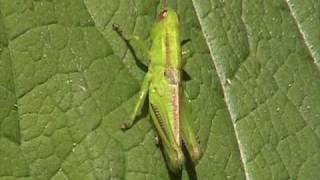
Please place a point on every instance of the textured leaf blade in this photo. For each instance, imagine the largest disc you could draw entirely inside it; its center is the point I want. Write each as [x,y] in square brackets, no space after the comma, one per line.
[269,85]
[67,81]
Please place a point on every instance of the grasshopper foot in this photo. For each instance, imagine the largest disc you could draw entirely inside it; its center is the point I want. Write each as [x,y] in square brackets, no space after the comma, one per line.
[157,140]
[118,30]
[116,27]
[125,126]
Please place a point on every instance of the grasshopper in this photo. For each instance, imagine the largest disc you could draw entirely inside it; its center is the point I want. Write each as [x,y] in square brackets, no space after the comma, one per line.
[163,85]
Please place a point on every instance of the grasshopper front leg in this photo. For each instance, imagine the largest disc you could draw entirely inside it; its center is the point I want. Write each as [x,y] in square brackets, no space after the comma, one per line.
[136,44]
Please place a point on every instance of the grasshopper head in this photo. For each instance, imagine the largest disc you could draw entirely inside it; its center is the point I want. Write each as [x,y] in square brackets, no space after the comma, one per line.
[168,16]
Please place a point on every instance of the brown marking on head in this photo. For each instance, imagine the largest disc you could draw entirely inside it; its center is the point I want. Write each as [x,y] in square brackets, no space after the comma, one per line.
[162,14]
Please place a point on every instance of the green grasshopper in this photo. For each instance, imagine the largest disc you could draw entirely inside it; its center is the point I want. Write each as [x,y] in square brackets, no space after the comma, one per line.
[163,84]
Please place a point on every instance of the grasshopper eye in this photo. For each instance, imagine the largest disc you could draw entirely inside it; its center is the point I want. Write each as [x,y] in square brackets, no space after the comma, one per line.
[163,14]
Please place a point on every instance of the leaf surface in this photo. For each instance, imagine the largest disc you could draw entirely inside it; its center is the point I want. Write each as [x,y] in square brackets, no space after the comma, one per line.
[67,82]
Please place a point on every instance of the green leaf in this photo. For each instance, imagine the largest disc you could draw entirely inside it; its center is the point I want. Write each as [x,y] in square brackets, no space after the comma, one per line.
[67,82]
[270,79]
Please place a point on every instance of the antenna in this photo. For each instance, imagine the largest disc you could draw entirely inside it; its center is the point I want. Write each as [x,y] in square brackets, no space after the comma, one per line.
[165,4]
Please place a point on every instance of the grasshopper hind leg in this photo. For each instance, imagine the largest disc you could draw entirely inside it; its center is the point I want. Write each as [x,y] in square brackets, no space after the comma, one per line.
[170,149]
[190,140]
